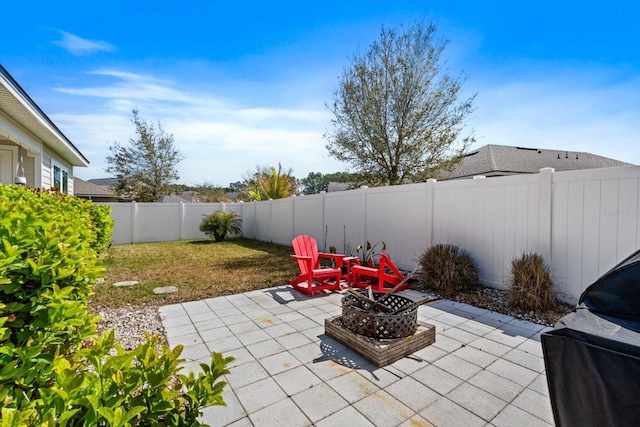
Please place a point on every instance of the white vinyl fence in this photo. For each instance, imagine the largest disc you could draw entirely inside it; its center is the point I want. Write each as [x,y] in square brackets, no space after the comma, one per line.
[161,222]
[582,222]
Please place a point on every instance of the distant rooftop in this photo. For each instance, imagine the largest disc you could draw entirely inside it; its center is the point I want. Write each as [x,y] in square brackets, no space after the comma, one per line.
[97,193]
[109,182]
[498,160]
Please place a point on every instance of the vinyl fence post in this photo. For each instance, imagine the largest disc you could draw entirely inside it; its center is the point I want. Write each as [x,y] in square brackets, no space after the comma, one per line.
[181,221]
[545,196]
[293,216]
[134,215]
[363,213]
[270,220]
[431,184]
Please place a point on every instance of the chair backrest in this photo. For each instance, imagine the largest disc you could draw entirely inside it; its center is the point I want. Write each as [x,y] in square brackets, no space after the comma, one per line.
[386,263]
[306,246]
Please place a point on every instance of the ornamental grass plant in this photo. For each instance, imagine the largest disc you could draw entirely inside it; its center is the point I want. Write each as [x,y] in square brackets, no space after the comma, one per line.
[448,270]
[531,287]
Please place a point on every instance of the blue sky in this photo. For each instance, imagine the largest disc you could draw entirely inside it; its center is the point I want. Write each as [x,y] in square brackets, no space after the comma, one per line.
[244,83]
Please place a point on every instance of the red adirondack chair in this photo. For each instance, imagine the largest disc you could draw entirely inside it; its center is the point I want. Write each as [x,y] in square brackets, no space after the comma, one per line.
[312,277]
[382,278]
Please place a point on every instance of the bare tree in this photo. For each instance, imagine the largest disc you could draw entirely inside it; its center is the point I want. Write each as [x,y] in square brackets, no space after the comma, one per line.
[397,114]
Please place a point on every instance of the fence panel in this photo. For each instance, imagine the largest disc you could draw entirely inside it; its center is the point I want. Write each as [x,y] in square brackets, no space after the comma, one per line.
[343,215]
[309,217]
[157,222]
[397,216]
[493,219]
[192,215]
[596,224]
[282,223]
[249,220]
[122,214]
[262,224]
[582,222]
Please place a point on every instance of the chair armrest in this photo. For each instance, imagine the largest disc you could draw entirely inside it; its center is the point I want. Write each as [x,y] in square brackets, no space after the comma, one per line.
[305,261]
[338,257]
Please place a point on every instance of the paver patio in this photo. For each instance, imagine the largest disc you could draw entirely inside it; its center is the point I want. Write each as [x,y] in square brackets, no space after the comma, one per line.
[484,369]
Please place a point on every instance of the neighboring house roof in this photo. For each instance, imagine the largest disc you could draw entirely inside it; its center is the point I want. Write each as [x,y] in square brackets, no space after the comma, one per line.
[107,182]
[86,189]
[497,160]
[185,196]
[20,107]
[339,186]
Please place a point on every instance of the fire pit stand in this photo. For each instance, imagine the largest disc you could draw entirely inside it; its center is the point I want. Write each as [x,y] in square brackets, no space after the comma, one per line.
[383,329]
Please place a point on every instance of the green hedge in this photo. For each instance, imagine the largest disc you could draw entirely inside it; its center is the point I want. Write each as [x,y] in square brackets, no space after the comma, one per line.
[54,370]
[103,227]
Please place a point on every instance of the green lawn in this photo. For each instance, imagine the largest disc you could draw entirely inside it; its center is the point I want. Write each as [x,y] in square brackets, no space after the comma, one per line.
[199,269]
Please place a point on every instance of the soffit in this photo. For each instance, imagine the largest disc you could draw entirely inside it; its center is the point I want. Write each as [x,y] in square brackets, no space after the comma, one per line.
[13,104]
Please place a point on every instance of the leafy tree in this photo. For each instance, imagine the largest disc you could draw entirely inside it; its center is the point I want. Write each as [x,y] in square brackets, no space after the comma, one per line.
[146,168]
[316,182]
[208,192]
[272,183]
[238,186]
[397,114]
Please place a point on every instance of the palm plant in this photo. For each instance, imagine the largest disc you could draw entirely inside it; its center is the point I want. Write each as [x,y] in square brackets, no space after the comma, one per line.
[220,223]
[272,183]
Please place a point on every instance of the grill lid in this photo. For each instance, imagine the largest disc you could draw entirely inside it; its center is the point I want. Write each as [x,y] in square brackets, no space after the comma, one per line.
[617,292]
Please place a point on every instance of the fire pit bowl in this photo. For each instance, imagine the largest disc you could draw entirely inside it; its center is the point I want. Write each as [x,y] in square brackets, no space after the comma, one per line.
[386,322]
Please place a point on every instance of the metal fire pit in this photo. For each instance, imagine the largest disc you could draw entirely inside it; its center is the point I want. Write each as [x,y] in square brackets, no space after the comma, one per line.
[359,317]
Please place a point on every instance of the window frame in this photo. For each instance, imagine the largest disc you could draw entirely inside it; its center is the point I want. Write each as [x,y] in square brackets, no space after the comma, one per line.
[63,178]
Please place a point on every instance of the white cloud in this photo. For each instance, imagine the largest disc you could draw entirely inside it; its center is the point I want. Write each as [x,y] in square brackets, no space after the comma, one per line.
[79,46]
[564,114]
[221,141]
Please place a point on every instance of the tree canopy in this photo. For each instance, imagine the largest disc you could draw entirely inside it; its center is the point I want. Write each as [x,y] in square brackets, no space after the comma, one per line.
[316,182]
[146,167]
[397,117]
[208,192]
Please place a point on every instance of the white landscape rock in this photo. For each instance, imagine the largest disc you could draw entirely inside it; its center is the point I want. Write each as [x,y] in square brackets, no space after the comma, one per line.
[165,290]
[126,283]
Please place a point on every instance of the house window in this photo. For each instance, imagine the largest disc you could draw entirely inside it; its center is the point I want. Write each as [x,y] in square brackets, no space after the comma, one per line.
[56,178]
[60,179]
[65,182]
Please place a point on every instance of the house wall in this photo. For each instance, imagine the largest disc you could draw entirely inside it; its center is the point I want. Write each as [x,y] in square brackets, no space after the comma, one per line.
[8,156]
[15,135]
[582,222]
[49,159]
[30,170]
[11,130]
[46,171]
[38,153]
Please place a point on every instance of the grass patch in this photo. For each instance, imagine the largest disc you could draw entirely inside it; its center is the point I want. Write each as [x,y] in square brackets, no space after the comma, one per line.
[199,269]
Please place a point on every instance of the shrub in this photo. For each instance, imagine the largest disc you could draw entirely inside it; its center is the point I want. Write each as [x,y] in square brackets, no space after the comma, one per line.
[103,225]
[54,370]
[220,223]
[531,286]
[448,270]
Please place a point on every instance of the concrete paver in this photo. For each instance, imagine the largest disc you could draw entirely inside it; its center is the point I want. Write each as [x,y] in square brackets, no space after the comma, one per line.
[484,369]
